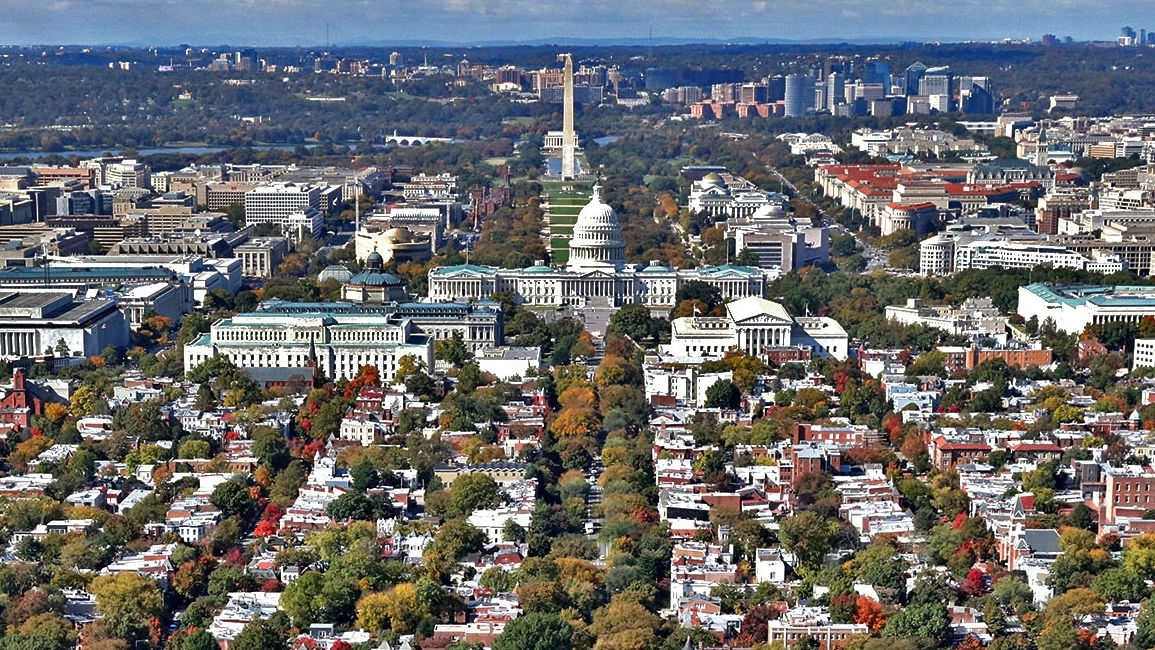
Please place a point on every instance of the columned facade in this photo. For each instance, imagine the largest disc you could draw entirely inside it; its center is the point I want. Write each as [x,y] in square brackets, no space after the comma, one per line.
[655,286]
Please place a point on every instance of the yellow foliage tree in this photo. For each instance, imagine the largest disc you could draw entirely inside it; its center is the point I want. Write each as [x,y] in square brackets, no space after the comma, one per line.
[372,613]
[403,608]
[576,422]
[624,625]
[128,602]
[28,450]
[83,402]
[578,397]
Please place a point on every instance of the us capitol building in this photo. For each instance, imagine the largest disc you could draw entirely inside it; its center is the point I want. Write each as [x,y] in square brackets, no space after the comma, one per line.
[595,276]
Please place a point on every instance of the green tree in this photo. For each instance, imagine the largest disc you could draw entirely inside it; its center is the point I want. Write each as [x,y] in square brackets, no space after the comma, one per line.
[808,536]
[634,321]
[301,599]
[195,449]
[455,539]
[723,394]
[1144,638]
[471,492]
[233,498]
[534,631]
[260,635]
[353,505]
[929,621]
[270,448]
[452,350]
[144,420]
[1119,583]
[469,378]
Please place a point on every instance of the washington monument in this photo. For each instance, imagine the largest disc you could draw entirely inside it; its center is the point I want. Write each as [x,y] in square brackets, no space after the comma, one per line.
[568,137]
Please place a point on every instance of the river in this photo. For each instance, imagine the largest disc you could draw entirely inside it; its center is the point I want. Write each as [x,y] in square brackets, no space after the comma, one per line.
[93,153]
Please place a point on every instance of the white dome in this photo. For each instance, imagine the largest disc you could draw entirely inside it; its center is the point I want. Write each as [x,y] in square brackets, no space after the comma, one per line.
[768,211]
[597,237]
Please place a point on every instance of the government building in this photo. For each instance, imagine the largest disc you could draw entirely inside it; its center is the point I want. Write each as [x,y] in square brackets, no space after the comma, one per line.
[596,274]
[33,323]
[756,327]
[336,339]
[1072,307]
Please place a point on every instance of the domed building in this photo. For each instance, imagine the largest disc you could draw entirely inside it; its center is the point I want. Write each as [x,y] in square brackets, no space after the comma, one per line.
[338,272]
[596,275]
[727,196]
[597,242]
[374,284]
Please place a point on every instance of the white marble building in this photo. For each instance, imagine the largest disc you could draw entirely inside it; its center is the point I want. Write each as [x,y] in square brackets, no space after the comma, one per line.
[338,343]
[752,325]
[596,276]
[735,197]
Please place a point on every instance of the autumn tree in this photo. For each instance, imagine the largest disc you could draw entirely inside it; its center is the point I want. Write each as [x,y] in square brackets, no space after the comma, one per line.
[368,375]
[572,423]
[624,624]
[869,612]
[398,609]
[128,602]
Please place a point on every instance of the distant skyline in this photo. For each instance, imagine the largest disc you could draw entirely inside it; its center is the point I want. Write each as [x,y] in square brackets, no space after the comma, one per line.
[353,22]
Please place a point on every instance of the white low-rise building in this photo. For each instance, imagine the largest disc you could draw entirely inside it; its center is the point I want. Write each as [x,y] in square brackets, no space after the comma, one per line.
[823,335]
[242,608]
[1073,307]
[1143,353]
[33,323]
[730,196]
[753,325]
[506,363]
[976,317]
[1019,255]
[336,342]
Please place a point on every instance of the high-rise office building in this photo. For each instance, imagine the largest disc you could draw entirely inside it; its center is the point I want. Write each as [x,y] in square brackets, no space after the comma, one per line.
[835,90]
[877,72]
[799,95]
[938,82]
[976,95]
[914,75]
[776,88]
[725,92]
[753,94]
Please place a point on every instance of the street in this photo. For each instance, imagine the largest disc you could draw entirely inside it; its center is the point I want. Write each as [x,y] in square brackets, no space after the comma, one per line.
[875,258]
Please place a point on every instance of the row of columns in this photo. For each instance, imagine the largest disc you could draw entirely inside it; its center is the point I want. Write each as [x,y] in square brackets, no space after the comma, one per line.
[754,339]
[20,344]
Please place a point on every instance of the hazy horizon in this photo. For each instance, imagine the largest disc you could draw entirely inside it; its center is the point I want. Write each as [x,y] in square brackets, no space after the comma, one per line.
[313,23]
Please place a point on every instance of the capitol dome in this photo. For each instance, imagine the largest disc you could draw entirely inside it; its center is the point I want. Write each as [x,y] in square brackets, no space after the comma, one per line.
[597,238]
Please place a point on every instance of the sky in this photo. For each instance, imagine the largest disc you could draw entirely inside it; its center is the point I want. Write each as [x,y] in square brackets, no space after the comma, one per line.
[303,22]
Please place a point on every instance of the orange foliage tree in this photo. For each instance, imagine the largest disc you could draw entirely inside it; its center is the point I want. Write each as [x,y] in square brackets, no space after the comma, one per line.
[869,612]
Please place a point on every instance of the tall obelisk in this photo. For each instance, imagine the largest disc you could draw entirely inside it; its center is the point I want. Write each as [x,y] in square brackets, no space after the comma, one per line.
[568,137]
